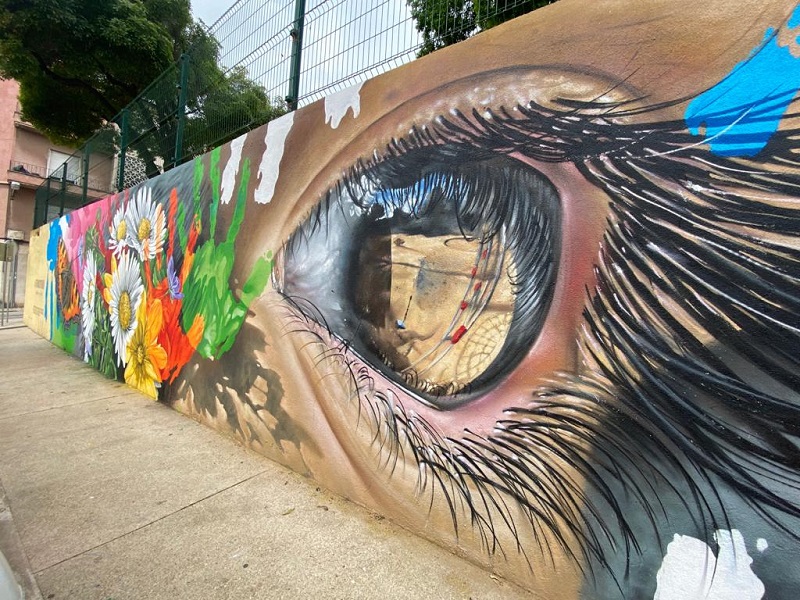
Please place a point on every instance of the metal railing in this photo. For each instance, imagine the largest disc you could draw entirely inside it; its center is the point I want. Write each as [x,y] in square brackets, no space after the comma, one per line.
[8,278]
[275,55]
[27,169]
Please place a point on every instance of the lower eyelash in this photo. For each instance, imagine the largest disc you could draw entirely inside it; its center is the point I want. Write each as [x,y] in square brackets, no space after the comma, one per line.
[473,476]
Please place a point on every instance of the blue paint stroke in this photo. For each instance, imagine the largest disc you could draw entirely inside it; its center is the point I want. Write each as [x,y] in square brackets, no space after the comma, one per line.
[51,313]
[56,234]
[794,20]
[742,112]
[174,281]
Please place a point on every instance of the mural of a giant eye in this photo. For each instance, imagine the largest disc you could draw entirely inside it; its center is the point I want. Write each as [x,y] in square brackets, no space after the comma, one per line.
[535,297]
[435,265]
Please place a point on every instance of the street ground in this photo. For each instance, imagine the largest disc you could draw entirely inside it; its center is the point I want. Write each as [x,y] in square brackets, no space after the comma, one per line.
[106,495]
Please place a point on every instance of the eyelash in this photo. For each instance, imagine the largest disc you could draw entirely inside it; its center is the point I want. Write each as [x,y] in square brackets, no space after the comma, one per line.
[492,198]
[627,421]
[472,477]
[444,463]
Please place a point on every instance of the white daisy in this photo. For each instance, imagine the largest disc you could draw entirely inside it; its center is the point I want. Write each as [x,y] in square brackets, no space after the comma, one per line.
[124,295]
[146,224]
[118,232]
[88,295]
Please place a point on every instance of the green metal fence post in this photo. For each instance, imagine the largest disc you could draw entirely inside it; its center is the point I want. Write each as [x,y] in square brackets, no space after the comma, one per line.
[85,175]
[47,200]
[42,200]
[297,51]
[63,190]
[123,147]
[181,114]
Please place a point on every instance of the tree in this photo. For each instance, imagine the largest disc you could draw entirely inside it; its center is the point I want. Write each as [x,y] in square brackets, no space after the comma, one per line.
[445,22]
[220,105]
[80,62]
[230,105]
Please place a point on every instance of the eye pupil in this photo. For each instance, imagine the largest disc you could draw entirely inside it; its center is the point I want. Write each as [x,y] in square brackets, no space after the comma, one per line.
[419,296]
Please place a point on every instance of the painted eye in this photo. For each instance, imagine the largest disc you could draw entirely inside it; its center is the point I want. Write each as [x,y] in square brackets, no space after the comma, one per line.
[436,266]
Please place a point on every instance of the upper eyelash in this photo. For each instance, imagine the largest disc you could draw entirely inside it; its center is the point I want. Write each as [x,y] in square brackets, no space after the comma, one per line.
[607,151]
[518,203]
[509,134]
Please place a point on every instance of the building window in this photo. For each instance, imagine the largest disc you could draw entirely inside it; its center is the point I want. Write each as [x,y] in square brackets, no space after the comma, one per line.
[55,166]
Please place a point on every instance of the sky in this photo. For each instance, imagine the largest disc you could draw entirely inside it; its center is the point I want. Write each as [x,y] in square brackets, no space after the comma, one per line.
[209,11]
[343,43]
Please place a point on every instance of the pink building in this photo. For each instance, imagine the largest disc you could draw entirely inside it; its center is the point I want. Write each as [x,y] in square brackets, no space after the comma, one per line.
[28,161]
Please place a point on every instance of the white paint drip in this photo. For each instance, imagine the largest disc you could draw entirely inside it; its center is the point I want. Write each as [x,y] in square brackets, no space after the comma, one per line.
[277,131]
[232,169]
[337,104]
[761,544]
[690,570]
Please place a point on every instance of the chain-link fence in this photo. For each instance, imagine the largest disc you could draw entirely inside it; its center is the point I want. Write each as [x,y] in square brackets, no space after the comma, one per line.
[263,57]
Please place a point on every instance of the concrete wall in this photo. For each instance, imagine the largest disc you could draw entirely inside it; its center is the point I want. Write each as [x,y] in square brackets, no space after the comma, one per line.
[534,297]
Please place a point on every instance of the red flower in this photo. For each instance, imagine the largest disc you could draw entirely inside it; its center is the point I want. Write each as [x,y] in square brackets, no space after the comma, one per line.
[179,346]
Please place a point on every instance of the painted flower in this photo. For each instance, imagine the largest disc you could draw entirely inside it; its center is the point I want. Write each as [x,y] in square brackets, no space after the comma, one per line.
[118,232]
[146,225]
[145,356]
[88,295]
[123,293]
[179,346]
[175,283]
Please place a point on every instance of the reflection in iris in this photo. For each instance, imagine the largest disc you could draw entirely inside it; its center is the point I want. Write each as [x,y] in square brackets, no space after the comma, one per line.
[437,267]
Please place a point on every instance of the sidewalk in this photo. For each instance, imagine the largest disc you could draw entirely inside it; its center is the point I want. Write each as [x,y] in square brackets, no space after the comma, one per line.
[106,495]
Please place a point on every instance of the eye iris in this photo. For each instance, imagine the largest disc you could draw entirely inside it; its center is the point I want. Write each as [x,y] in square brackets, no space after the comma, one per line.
[437,308]
[435,267]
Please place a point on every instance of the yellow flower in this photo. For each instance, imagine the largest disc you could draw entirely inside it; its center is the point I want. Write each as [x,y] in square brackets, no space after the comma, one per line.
[145,356]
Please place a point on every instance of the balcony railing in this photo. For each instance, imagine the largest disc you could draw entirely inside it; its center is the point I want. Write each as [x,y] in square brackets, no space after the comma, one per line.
[27,169]
[94,183]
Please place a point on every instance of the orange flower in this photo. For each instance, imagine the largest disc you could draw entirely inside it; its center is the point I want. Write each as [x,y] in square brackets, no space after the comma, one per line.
[172,217]
[178,345]
[188,258]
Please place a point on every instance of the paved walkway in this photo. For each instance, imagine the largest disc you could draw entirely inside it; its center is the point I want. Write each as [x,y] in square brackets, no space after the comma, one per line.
[106,495]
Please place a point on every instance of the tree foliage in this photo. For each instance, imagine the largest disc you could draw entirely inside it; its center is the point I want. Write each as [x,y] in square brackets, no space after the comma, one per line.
[445,22]
[229,106]
[80,62]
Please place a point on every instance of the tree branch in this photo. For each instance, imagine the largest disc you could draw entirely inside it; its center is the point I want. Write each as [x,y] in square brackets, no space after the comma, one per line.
[130,89]
[77,83]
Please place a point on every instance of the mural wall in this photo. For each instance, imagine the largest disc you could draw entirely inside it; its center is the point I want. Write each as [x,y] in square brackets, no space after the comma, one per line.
[534,297]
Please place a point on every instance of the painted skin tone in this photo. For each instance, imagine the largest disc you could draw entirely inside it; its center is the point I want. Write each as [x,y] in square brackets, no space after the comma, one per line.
[567,530]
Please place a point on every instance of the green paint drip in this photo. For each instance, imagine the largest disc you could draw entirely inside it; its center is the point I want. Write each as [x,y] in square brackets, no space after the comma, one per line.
[197,185]
[207,290]
[216,184]
[241,199]
[259,277]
